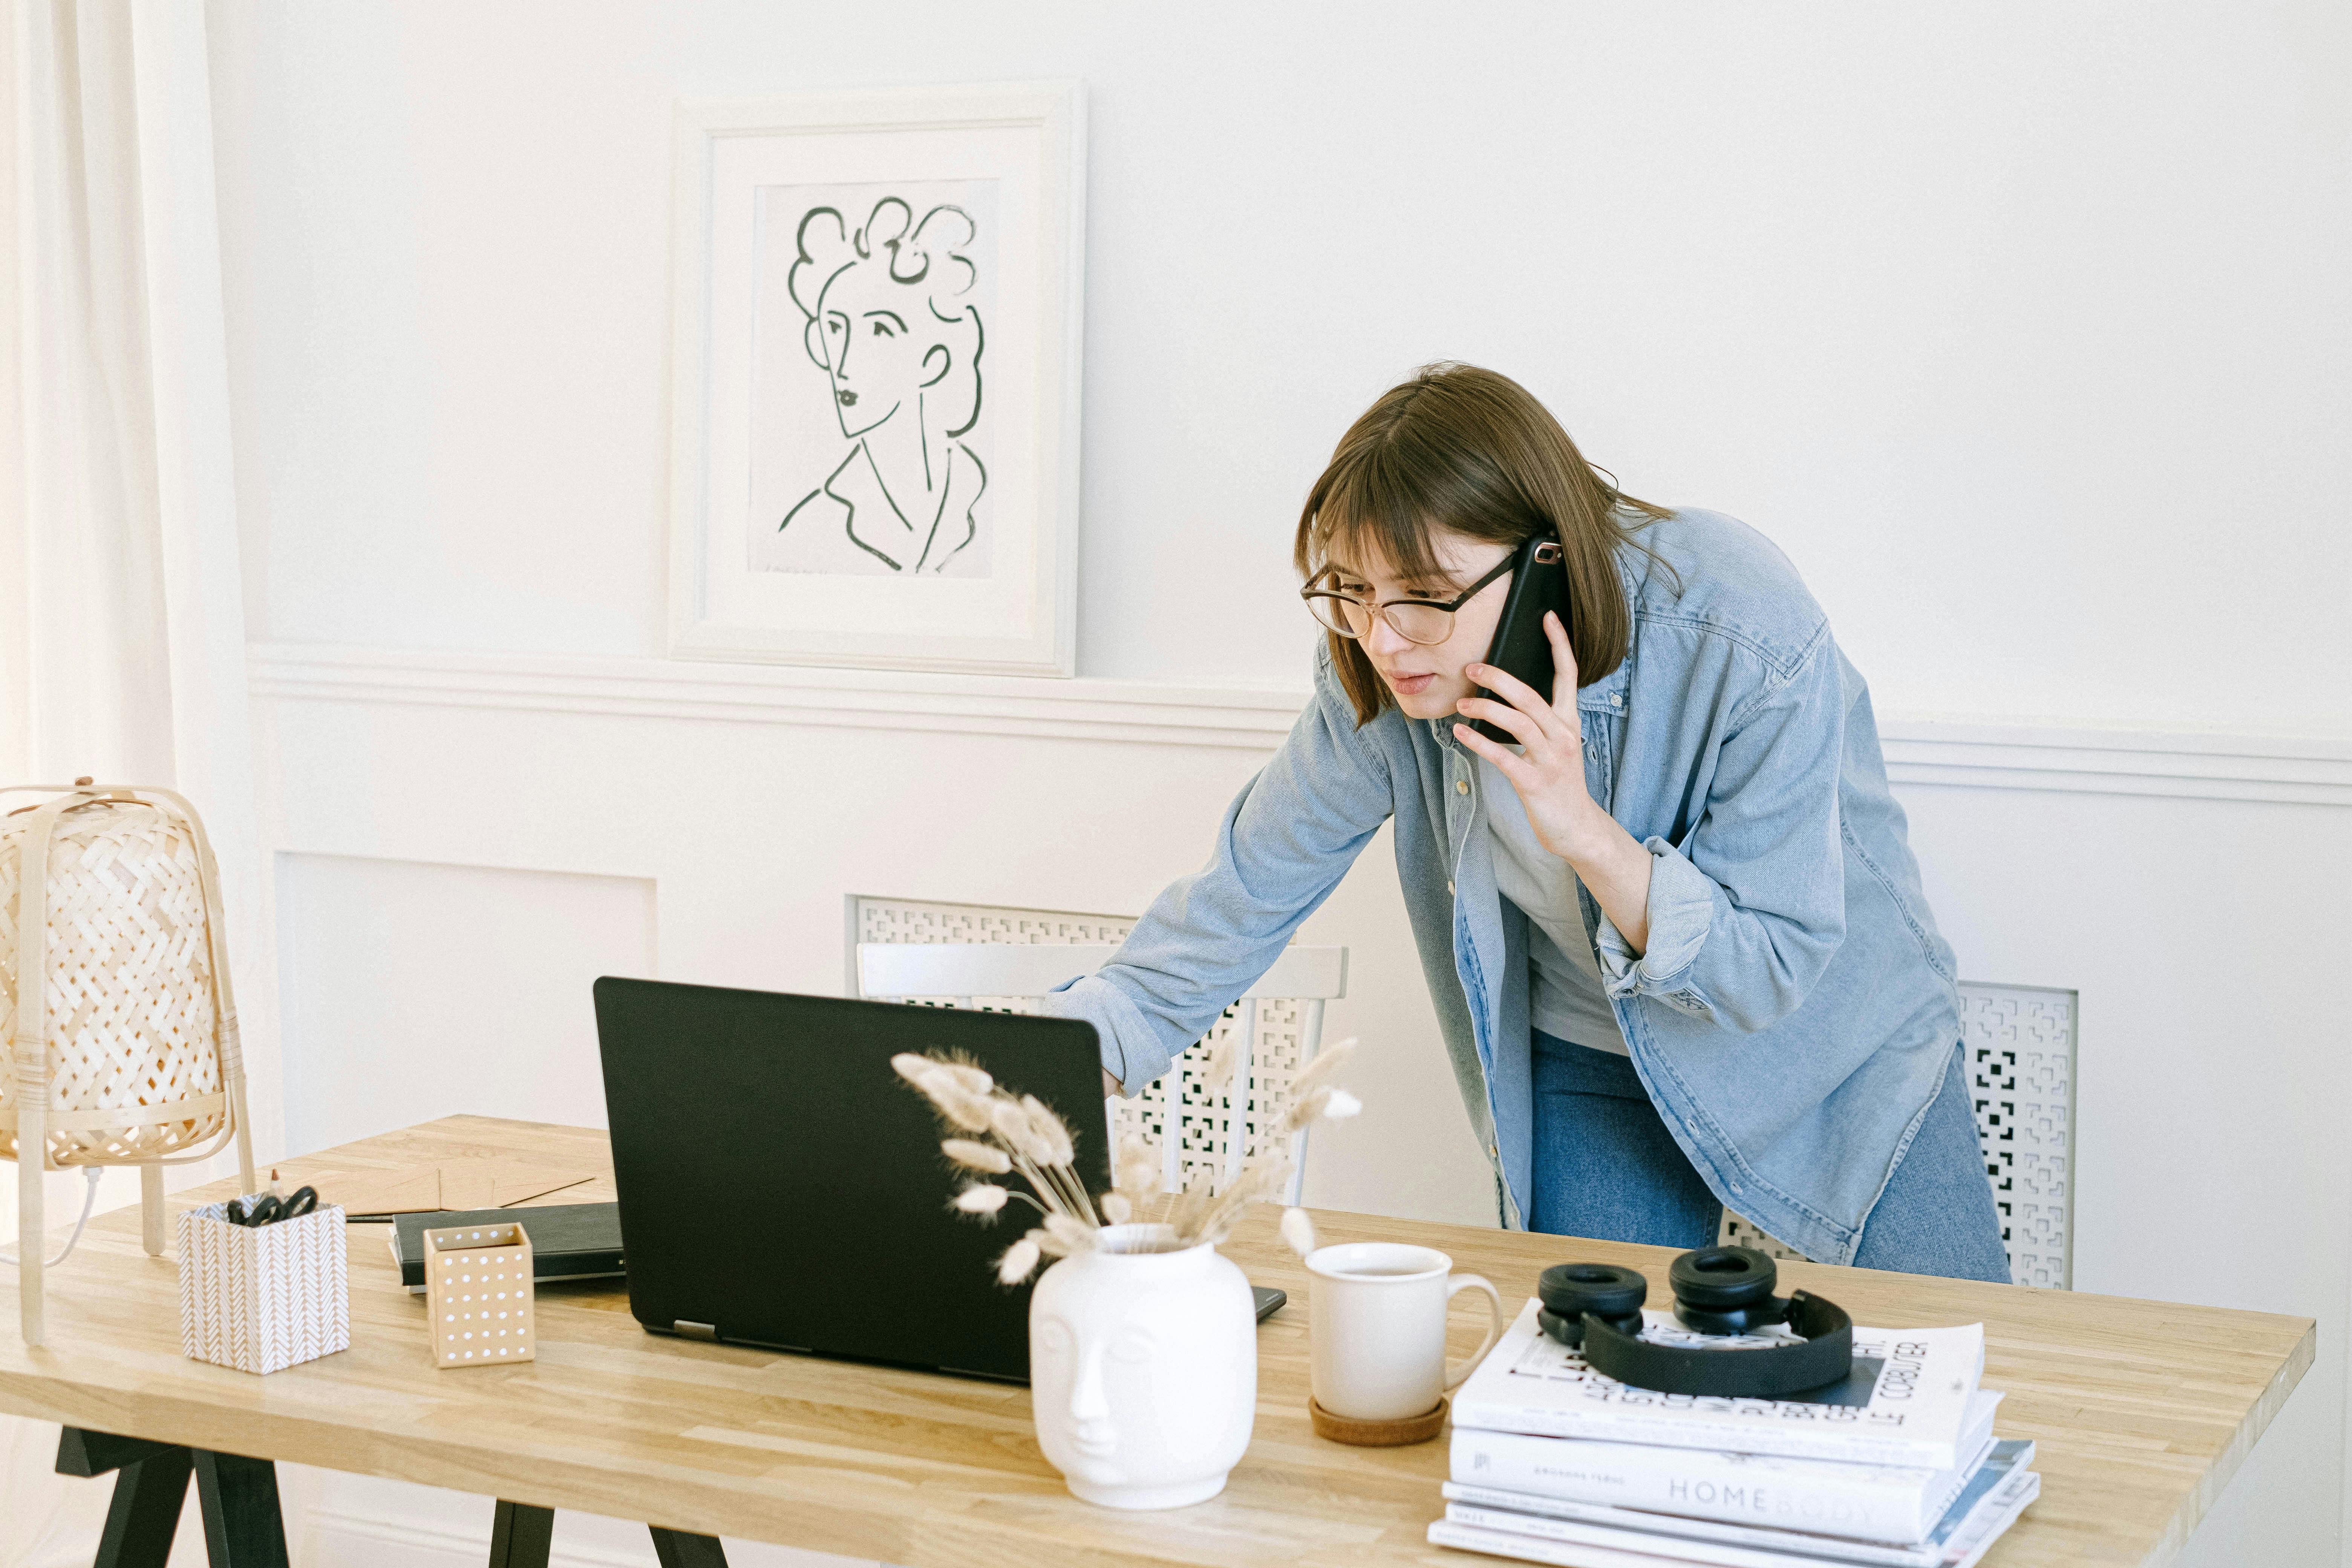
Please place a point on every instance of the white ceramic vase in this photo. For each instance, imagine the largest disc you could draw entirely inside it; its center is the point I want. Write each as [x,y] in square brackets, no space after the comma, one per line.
[1143,1369]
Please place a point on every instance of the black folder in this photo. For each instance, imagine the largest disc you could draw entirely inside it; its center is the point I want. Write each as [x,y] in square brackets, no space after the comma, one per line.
[568,1241]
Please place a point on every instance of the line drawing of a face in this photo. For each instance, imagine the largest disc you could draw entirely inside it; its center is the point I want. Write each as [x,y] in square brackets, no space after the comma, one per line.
[877,360]
[891,323]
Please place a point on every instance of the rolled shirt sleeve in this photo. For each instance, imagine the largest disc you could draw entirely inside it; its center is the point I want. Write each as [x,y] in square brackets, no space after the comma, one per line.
[1284,843]
[1746,915]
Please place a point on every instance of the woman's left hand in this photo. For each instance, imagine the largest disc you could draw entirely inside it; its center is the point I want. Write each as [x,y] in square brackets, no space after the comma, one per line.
[1550,777]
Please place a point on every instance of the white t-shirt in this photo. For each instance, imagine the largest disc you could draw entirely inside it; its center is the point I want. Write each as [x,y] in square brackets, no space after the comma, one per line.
[1564,996]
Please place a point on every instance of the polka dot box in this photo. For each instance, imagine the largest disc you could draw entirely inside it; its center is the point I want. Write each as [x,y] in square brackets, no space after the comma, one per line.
[477,1285]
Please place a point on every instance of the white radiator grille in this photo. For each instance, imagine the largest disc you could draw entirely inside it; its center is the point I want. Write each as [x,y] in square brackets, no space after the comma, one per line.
[1215,1134]
[2021,1065]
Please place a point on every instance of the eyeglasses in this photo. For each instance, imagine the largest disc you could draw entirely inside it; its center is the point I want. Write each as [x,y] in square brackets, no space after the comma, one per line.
[1419,621]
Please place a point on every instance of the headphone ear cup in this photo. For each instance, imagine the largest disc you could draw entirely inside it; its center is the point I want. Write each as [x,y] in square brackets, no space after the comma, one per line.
[1607,1291]
[1725,1290]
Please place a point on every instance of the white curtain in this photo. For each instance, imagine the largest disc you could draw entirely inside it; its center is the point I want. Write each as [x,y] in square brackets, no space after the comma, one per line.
[121,618]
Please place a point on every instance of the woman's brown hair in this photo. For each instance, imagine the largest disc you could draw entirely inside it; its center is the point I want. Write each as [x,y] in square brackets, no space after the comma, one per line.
[1474,452]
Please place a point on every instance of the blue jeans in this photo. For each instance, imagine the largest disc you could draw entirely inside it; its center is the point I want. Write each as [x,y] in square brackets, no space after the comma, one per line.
[1606,1167]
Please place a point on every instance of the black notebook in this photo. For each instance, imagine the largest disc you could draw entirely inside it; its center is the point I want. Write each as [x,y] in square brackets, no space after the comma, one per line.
[568,1241]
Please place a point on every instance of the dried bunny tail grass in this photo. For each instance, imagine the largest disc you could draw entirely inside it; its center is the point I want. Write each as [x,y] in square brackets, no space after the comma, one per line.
[1325,1104]
[1217,1072]
[1074,1235]
[1185,1213]
[1138,1172]
[1011,1124]
[969,1076]
[1116,1209]
[969,1112]
[1051,1131]
[1298,1230]
[1046,1242]
[1018,1261]
[1319,1072]
[946,1091]
[977,1157]
[981,1198]
[1258,1182]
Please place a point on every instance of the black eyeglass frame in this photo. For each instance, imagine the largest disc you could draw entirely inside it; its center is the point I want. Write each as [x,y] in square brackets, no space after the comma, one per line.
[1381,609]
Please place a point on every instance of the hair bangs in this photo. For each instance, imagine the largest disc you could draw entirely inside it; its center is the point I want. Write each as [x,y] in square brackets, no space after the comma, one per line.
[1372,515]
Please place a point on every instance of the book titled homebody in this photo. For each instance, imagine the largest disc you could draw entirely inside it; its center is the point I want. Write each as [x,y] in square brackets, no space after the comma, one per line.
[1907,1402]
[1893,1503]
[2003,1484]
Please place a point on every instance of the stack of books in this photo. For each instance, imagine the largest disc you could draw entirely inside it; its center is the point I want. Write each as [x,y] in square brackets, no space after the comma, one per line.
[1553,1462]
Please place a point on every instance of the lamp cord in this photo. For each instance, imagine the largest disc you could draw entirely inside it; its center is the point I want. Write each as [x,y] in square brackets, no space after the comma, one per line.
[91,1173]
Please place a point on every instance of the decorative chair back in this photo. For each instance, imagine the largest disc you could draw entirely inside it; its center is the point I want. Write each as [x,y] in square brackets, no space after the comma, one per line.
[115,1001]
[2020,1074]
[1277,1028]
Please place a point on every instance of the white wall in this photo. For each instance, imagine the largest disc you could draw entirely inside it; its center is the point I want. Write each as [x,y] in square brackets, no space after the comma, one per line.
[2021,327]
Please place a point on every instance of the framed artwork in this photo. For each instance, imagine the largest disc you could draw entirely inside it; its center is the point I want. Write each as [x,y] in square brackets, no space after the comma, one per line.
[875,396]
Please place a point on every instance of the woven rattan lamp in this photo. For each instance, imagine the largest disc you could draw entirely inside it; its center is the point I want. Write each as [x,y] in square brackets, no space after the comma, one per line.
[114,1000]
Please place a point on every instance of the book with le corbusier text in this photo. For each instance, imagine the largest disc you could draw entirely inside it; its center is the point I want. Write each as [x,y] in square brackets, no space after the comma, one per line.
[1906,1403]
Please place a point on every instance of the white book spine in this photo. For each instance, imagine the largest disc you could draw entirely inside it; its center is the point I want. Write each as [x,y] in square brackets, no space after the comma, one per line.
[1831,1500]
[1536,1548]
[1510,1511]
[1680,1548]
[1787,1440]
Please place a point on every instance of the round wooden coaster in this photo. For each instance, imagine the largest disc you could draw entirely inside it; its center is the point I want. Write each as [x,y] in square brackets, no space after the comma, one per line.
[1377,1434]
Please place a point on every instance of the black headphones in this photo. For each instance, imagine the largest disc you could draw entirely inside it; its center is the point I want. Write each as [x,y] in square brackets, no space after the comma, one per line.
[1597,1308]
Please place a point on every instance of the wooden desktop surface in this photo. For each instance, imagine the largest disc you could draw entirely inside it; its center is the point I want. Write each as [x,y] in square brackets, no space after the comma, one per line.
[2142,1410]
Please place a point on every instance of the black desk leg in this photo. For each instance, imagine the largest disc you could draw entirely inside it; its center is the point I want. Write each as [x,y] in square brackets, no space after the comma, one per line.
[677,1549]
[151,1483]
[146,1512]
[521,1536]
[242,1526]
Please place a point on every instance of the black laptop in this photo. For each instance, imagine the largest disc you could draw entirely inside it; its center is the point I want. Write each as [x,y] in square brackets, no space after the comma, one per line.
[780,1185]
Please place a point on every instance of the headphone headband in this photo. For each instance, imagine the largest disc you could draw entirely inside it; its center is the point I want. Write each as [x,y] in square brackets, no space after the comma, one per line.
[1717,1290]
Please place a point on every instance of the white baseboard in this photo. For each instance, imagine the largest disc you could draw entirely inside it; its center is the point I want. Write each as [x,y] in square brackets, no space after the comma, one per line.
[349,1538]
[370,1541]
[2314,769]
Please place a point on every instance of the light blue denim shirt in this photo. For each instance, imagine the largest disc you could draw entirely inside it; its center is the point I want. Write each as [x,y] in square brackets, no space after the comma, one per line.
[1795,1010]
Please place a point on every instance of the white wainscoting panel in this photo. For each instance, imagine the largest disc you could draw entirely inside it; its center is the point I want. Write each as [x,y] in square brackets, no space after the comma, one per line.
[2188,888]
[412,990]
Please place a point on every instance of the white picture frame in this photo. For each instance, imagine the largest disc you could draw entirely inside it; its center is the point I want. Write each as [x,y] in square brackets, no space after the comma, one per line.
[848,492]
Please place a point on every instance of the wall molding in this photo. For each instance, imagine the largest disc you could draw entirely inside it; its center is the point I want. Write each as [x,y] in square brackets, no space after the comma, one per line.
[2310,770]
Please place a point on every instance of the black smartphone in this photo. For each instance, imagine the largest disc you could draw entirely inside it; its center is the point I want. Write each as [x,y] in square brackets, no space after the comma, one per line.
[1539,582]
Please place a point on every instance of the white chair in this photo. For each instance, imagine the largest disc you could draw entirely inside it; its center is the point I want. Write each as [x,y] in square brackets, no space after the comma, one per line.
[1277,1026]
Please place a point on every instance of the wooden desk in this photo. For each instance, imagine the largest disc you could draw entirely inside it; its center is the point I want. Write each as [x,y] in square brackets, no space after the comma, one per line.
[2142,1410]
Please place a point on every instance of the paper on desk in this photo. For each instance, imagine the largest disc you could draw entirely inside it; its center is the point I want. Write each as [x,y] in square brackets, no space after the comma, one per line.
[472,1184]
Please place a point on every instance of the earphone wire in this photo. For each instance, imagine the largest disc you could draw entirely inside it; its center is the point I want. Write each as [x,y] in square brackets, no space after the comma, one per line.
[90,1174]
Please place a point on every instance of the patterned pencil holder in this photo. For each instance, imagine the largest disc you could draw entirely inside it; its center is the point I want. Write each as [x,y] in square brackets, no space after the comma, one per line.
[478,1289]
[263,1297]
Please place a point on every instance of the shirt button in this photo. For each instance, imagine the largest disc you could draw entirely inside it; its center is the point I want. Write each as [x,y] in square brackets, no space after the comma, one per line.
[1461,786]
[1449,887]
[1494,1152]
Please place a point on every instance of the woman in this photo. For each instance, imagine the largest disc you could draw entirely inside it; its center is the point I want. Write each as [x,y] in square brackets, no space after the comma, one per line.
[1675,935]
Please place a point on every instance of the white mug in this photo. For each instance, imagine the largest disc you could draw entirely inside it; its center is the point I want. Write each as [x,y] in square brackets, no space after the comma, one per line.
[1377,1329]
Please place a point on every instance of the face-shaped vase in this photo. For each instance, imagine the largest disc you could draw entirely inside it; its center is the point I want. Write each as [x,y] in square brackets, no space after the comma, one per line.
[1143,1371]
